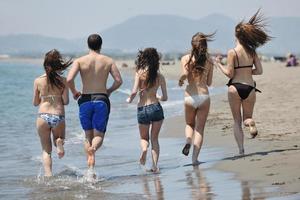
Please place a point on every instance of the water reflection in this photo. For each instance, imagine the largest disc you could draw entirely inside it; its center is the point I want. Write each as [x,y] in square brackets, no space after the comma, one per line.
[153,188]
[198,184]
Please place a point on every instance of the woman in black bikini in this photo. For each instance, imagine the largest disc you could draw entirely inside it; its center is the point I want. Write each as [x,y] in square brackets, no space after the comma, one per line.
[241,86]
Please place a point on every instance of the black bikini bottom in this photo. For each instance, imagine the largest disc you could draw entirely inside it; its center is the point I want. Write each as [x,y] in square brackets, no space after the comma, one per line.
[243,89]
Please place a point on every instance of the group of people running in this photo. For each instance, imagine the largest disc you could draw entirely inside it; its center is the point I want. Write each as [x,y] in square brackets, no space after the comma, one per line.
[51,93]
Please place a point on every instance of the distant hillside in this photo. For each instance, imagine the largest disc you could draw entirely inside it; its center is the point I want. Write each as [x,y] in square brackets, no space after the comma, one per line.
[165,32]
[30,45]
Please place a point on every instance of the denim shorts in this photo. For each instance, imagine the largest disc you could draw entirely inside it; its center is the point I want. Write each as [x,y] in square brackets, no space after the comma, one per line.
[150,113]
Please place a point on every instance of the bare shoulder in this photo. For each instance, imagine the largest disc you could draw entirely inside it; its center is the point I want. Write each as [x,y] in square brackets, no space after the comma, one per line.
[106,59]
[185,58]
[231,53]
[40,78]
[80,59]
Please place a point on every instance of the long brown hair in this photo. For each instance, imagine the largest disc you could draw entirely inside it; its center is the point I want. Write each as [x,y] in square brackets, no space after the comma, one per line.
[199,54]
[148,59]
[54,66]
[252,34]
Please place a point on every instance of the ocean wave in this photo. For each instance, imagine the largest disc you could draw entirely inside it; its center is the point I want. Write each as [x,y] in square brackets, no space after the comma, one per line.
[172,103]
[124,91]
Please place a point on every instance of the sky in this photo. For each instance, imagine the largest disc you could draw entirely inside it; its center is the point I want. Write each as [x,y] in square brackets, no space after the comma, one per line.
[79,18]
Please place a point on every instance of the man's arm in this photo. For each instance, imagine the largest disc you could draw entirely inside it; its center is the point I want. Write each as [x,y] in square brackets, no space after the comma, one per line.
[70,79]
[115,73]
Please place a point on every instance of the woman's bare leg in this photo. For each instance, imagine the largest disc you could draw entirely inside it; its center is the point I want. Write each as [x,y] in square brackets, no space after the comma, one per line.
[144,134]
[248,106]
[190,115]
[44,132]
[202,113]
[58,138]
[155,128]
[235,105]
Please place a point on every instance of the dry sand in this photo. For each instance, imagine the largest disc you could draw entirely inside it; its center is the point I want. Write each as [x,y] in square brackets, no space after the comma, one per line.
[273,158]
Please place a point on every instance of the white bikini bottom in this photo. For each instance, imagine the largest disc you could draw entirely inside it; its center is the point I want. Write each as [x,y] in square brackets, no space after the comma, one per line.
[196,100]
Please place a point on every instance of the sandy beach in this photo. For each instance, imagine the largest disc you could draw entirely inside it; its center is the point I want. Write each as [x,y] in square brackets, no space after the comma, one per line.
[269,170]
[272,159]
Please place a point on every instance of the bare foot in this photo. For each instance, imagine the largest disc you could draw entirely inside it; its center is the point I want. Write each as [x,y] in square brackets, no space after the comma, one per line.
[196,162]
[154,170]
[253,131]
[60,147]
[241,152]
[143,158]
[91,156]
[91,175]
[186,149]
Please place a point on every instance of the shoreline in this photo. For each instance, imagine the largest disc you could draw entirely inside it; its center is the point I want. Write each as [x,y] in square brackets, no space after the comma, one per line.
[272,159]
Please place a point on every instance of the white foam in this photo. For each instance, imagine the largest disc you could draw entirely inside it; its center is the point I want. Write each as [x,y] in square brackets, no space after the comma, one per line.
[172,103]
[124,91]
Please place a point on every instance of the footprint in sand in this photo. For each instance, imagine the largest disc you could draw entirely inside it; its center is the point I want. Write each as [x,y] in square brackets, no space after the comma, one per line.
[278,183]
[257,159]
[271,174]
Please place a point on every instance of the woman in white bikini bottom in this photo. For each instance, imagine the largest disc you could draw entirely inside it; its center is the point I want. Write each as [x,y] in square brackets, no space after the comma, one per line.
[196,100]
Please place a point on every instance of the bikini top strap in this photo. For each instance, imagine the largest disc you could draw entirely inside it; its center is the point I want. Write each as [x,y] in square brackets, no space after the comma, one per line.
[237,58]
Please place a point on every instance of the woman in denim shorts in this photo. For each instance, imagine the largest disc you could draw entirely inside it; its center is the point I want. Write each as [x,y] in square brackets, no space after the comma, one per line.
[149,111]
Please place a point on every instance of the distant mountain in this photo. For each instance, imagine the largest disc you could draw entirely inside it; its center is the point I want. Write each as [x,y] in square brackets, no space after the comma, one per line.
[35,45]
[165,32]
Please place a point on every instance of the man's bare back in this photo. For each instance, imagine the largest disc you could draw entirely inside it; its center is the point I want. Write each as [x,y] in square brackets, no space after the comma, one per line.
[94,69]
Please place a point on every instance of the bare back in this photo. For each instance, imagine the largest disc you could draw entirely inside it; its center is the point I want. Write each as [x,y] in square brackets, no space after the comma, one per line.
[148,95]
[50,99]
[94,70]
[197,82]
[242,73]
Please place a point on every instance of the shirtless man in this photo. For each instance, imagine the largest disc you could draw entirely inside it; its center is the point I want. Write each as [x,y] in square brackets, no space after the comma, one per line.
[93,101]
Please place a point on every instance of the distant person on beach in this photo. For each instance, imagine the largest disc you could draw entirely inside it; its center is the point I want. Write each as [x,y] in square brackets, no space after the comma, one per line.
[197,69]
[149,112]
[50,93]
[93,101]
[291,61]
[241,86]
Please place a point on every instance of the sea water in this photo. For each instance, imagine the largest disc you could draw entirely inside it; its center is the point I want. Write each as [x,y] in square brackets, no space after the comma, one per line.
[119,175]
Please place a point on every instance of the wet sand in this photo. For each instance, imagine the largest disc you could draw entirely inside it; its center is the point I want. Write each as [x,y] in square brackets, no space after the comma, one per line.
[269,169]
[272,159]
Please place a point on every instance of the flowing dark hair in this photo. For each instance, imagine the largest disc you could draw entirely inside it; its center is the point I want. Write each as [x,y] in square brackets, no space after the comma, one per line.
[252,34]
[54,66]
[148,60]
[199,54]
